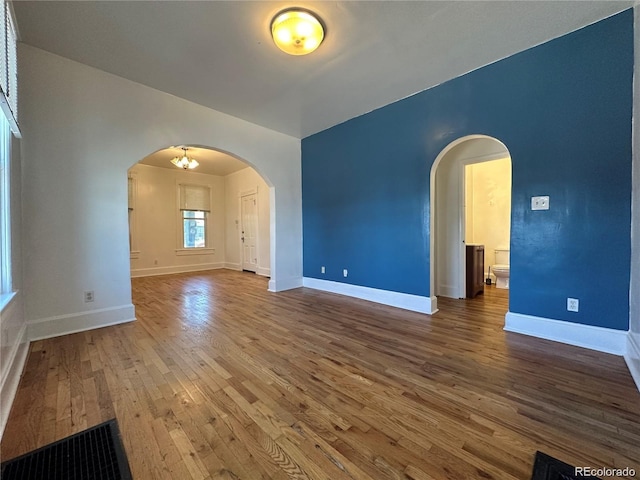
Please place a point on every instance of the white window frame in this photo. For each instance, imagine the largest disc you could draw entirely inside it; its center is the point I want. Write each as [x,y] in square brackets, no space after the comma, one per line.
[6,287]
[9,125]
[208,248]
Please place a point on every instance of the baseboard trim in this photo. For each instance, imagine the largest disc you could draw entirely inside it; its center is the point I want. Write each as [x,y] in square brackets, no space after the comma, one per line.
[152,272]
[434,305]
[79,322]
[587,336]
[632,356]
[11,380]
[280,284]
[406,301]
[265,272]
[448,291]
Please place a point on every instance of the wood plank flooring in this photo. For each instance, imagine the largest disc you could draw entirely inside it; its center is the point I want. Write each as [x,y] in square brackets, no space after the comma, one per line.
[220,379]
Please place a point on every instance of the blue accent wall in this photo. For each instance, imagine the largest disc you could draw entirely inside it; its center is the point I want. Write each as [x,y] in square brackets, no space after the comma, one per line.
[564,111]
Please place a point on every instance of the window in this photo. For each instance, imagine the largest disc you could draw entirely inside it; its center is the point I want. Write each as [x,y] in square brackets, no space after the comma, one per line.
[195,203]
[5,206]
[8,123]
[194,228]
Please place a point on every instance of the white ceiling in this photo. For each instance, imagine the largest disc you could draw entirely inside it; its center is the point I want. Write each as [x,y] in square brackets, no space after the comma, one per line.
[219,53]
[211,162]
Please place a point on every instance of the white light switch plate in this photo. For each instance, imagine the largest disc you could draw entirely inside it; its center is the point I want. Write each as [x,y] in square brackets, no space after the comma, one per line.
[540,203]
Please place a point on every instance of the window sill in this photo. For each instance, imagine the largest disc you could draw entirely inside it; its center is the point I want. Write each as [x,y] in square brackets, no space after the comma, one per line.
[195,251]
[135,254]
[5,300]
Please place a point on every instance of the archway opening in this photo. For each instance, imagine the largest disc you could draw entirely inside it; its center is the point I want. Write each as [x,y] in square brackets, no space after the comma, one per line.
[458,169]
[217,215]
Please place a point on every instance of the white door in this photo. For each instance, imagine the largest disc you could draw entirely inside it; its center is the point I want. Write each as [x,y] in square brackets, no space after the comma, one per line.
[249,232]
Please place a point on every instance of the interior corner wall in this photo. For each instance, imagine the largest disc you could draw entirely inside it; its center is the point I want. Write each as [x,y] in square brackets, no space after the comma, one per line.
[156,230]
[635,222]
[563,109]
[447,177]
[633,345]
[236,183]
[82,130]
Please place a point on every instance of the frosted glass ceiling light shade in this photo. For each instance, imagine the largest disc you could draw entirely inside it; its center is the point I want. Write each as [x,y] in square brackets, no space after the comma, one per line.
[184,161]
[296,31]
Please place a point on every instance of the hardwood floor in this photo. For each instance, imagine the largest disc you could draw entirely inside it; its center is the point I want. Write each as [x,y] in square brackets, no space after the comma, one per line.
[221,379]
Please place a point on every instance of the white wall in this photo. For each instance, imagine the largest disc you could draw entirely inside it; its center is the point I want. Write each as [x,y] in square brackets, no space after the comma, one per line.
[82,130]
[156,233]
[448,266]
[488,206]
[633,347]
[236,183]
[13,328]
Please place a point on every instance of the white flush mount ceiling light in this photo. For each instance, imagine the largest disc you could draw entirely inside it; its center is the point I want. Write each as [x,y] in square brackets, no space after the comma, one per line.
[184,161]
[297,31]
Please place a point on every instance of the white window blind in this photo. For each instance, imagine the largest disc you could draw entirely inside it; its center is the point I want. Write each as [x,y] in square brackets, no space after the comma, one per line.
[9,67]
[4,57]
[195,198]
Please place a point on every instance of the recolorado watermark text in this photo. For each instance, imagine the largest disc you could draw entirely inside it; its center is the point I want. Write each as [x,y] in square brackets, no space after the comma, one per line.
[604,472]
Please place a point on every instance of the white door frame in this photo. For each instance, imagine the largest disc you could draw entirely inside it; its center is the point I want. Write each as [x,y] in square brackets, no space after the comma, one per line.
[463,211]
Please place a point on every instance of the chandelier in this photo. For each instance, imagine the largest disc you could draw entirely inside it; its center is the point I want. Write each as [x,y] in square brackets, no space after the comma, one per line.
[184,161]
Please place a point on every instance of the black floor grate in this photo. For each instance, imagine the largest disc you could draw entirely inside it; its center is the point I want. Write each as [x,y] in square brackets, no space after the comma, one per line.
[546,467]
[95,454]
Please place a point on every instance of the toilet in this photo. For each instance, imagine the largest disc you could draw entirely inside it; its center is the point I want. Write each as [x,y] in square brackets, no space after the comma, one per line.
[501,268]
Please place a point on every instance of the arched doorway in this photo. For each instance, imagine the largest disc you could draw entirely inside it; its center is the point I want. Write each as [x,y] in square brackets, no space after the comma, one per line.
[216,215]
[447,219]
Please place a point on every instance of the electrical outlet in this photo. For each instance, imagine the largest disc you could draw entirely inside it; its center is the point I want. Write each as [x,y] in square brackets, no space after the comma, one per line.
[540,203]
[345,272]
[322,269]
[88,296]
[573,304]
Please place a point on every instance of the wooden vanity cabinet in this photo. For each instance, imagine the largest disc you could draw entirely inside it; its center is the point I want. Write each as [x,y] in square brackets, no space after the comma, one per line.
[474,270]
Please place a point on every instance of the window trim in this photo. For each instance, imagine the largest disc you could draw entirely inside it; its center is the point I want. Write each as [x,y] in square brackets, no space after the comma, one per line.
[5,300]
[195,251]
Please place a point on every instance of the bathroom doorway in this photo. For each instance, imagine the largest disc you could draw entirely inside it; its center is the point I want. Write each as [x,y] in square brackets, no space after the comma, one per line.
[487,215]
[449,220]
